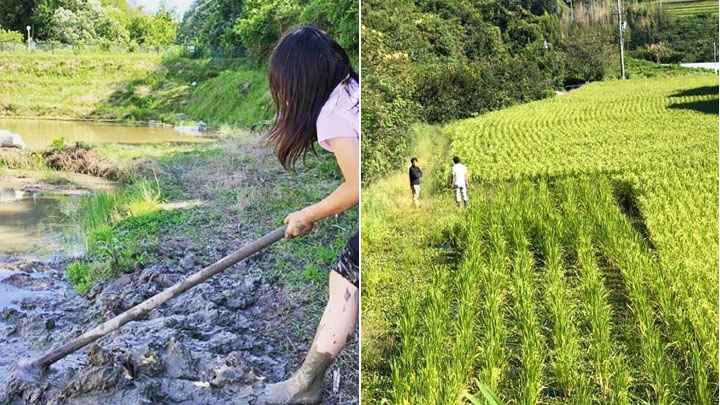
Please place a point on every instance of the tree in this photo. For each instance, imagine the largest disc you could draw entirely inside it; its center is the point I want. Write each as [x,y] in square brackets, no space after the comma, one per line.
[70,27]
[210,23]
[263,22]
[159,29]
[15,15]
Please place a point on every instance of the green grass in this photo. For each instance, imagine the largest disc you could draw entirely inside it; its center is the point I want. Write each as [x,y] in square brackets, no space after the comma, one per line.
[403,249]
[585,270]
[132,87]
[640,68]
[80,276]
[120,229]
[686,8]
[683,8]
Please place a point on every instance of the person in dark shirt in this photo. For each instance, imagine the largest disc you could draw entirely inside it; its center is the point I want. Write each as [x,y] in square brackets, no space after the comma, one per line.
[415,174]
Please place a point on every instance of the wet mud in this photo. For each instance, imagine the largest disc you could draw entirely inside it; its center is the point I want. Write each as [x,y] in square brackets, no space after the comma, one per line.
[212,345]
[222,342]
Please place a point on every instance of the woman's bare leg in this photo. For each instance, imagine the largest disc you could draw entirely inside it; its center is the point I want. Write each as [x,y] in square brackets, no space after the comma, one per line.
[337,323]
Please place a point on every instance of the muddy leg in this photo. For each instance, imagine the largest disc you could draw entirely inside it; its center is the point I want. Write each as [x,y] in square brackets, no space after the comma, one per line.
[337,323]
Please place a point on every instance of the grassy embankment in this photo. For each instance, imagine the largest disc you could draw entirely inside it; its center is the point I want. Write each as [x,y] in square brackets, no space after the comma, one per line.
[586,268]
[132,87]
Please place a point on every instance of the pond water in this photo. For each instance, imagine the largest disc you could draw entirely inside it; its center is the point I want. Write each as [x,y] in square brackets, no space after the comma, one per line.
[10,293]
[38,224]
[38,134]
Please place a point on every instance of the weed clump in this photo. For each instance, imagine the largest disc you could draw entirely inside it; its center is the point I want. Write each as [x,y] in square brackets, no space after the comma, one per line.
[79,275]
[79,159]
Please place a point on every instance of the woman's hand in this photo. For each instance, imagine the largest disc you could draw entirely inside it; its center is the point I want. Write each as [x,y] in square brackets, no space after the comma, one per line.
[298,223]
[347,154]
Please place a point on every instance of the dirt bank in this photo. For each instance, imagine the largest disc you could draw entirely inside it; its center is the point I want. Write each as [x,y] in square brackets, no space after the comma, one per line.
[79,160]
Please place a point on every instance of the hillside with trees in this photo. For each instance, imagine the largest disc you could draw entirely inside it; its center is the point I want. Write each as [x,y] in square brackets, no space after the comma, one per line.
[441,60]
[252,27]
[88,22]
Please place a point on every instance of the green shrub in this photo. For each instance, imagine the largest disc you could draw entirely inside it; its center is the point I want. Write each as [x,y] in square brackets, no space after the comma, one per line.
[10,36]
[58,143]
[79,275]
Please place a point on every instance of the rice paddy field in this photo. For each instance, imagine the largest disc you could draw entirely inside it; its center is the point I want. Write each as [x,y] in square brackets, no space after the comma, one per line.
[686,8]
[585,270]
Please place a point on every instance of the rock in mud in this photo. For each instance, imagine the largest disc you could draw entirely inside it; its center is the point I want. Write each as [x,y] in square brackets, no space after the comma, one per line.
[240,301]
[251,283]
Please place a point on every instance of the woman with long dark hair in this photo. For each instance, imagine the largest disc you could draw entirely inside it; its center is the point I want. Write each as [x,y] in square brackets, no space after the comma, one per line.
[316,93]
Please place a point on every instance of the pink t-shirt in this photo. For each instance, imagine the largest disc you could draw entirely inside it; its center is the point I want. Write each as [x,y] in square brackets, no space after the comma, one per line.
[340,115]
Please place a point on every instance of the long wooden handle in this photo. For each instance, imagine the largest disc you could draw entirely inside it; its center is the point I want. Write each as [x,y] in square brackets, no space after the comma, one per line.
[151,303]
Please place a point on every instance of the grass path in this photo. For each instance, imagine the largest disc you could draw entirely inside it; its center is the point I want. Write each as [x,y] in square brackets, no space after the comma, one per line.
[403,248]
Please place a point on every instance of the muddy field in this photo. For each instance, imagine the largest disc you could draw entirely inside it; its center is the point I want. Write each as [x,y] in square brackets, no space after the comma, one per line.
[219,343]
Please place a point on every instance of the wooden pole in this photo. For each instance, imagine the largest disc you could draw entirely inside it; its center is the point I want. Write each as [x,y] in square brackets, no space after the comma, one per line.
[139,310]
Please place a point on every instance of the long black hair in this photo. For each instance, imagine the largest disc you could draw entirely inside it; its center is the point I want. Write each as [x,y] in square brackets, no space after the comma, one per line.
[304,69]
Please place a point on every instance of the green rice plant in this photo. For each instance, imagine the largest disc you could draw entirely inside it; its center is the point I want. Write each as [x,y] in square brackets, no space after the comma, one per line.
[487,393]
[404,380]
[604,127]
[616,236]
[465,348]
[561,306]
[530,353]
[493,363]
[434,345]
[607,364]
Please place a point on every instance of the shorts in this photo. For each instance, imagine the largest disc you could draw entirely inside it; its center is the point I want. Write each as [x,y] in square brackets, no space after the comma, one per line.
[348,266]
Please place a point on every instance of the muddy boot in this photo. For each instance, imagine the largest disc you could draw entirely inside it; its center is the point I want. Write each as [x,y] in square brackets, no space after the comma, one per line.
[305,386]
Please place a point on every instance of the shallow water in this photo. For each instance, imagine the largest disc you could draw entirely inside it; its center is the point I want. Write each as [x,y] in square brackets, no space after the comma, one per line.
[10,293]
[37,224]
[38,134]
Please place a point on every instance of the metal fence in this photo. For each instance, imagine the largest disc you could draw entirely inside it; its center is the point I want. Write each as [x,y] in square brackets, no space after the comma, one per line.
[90,48]
[185,50]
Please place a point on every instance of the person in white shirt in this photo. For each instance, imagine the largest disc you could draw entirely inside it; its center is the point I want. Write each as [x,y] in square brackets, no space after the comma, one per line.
[460,181]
